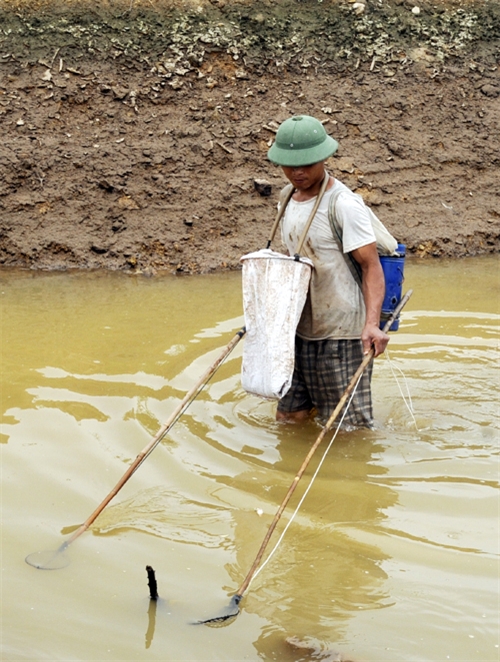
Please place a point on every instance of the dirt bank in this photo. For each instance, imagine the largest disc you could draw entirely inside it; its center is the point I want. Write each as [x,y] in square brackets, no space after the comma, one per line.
[131,136]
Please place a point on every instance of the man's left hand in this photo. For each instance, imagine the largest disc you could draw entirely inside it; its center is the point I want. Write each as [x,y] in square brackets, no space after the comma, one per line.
[374,337]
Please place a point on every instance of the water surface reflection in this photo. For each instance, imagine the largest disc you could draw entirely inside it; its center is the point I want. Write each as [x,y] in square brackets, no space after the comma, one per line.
[393,554]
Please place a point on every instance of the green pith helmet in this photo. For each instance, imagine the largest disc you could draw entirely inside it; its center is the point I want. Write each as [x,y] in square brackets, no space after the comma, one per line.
[301,141]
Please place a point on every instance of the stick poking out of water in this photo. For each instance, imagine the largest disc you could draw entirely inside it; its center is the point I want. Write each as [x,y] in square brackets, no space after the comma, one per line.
[153,587]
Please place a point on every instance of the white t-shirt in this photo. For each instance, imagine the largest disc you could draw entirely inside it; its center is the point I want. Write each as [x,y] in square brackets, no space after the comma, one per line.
[334,307]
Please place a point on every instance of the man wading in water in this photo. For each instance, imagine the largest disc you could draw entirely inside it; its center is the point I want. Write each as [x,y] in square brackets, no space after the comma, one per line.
[340,320]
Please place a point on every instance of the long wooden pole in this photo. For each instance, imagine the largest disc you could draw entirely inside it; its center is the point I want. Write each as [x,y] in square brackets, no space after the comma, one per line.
[352,384]
[149,448]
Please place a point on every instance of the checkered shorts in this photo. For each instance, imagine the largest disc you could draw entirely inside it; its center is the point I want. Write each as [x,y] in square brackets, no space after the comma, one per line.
[323,370]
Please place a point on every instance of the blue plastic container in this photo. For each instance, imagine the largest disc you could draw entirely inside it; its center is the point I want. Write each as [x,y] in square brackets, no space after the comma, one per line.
[393,267]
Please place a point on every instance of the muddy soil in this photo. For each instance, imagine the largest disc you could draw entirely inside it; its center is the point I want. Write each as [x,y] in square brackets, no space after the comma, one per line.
[134,136]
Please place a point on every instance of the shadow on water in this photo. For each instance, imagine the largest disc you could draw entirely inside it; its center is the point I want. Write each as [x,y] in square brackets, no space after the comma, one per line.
[150,632]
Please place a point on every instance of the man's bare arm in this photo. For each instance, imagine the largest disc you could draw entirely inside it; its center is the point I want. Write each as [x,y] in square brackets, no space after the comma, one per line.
[373,287]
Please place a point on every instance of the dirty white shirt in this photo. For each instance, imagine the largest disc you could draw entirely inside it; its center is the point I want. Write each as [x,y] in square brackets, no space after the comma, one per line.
[334,307]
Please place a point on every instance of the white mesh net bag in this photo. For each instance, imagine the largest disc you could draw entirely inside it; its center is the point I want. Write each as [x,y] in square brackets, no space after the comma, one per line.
[274,293]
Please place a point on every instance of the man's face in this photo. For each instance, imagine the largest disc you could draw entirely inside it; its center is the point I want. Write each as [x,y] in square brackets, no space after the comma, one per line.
[304,178]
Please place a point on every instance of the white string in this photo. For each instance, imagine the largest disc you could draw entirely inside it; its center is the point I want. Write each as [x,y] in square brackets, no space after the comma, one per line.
[408,403]
[308,487]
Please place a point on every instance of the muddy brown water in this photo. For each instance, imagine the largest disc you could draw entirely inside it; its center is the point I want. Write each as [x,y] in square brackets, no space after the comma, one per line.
[393,554]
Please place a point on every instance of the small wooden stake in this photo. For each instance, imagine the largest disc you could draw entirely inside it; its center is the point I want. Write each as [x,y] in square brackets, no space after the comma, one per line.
[153,588]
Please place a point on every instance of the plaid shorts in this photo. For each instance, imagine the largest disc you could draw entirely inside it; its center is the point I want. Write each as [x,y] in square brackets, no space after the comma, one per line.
[323,370]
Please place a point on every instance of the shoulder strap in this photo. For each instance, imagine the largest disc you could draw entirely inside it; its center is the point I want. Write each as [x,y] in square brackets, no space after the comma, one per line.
[354,267]
[285,196]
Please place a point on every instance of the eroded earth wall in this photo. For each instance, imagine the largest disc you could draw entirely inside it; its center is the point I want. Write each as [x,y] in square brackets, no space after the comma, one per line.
[134,135]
